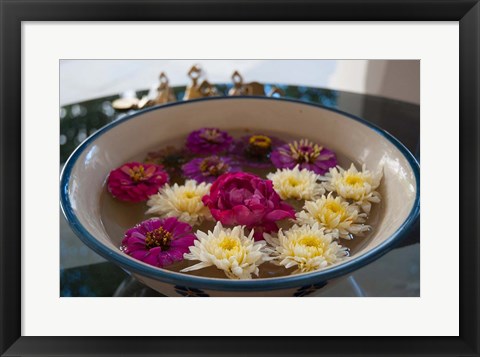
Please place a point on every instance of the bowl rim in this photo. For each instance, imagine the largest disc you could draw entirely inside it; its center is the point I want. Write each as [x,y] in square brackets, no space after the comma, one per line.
[284,282]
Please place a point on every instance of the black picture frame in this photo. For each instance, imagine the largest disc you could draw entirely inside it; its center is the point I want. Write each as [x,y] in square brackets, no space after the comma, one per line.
[13,12]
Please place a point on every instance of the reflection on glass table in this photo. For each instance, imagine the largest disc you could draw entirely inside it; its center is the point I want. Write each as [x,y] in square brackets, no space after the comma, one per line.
[84,273]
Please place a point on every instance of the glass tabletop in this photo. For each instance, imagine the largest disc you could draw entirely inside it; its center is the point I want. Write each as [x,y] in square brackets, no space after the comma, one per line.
[84,273]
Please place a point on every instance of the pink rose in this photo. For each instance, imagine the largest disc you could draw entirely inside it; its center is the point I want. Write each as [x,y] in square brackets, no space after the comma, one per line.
[245,199]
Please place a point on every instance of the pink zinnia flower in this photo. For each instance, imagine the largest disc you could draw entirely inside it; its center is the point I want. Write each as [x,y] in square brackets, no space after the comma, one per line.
[305,154]
[245,199]
[135,182]
[208,141]
[158,242]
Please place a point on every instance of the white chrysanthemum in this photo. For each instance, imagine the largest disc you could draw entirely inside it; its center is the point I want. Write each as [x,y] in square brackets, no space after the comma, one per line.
[183,202]
[296,184]
[355,185]
[337,216]
[306,247]
[229,250]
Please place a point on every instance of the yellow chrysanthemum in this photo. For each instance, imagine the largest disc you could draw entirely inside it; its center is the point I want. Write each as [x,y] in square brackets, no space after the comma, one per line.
[335,215]
[183,202]
[307,247]
[229,250]
[296,184]
[358,186]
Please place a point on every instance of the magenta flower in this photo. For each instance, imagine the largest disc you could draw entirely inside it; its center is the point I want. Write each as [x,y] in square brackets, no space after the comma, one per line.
[306,154]
[208,141]
[209,168]
[254,150]
[135,182]
[245,199]
[158,242]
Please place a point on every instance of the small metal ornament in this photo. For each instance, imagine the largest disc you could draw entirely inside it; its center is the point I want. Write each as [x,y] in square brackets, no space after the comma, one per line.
[164,95]
[252,88]
[195,90]
[241,88]
[207,89]
[164,92]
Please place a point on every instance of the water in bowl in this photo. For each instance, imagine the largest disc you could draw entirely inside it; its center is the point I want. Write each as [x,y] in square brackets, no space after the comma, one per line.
[118,216]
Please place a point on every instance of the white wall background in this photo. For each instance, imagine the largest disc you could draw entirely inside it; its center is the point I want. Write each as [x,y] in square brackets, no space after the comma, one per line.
[87,79]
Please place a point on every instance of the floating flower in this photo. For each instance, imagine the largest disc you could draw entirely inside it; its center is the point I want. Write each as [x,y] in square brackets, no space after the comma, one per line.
[254,150]
[209,168]
[183,202]
[335,215]
[305,153]
[169,157]
[158,242]
[245,199]
[208,141]
[229,250]
[307,247]
[134,181]
[358,186]
[296,184]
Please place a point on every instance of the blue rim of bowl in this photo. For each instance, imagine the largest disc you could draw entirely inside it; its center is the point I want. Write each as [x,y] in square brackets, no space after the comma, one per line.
[292,281]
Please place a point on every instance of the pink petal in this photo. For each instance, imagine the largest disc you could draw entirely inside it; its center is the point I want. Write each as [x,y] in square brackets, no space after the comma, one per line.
[244,216]
[278,215]
[226,217]
[164,259]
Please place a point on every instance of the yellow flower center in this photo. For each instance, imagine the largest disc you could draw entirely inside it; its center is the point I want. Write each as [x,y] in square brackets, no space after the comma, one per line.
[137,173]
[331,214]
[229,243]
[230,247]
[354,180]
[259,146]
[311,246]
[334,207]
[310,241]
[189,194]
[293,181]
[261,141]
[158,238]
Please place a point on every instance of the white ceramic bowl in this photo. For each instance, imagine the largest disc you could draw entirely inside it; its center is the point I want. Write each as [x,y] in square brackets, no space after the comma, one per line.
[84,175]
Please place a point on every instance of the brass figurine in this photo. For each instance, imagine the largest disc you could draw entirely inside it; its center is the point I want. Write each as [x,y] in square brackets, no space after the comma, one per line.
[164,95]
[164,92]
[237,80]
[252,88]
[195,90]
[240,88]
[207,89]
